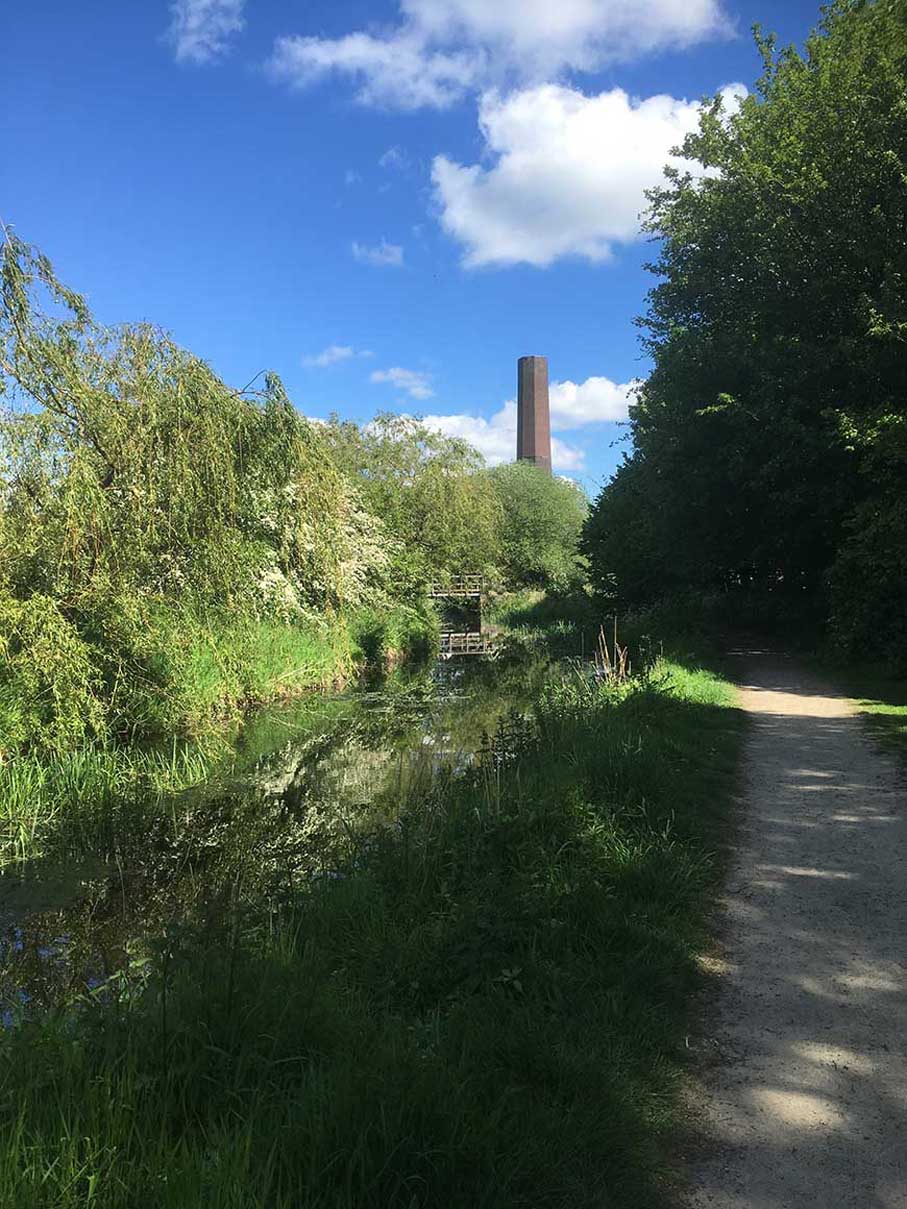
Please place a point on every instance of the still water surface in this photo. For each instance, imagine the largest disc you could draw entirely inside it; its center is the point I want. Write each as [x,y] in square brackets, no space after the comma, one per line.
[296,784]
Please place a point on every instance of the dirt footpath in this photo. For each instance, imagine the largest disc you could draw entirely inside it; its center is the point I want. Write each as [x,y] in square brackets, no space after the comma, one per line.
[804,1096]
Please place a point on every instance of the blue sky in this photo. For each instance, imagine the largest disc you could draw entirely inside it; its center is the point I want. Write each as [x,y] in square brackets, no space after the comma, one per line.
[386,202]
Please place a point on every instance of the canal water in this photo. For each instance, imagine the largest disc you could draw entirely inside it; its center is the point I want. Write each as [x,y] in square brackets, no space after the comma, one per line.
[294,785]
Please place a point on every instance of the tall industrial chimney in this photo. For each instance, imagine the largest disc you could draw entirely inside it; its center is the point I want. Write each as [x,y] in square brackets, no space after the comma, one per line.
[533,425]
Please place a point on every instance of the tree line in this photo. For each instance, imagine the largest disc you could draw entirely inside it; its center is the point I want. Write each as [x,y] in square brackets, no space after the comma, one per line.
[170,546]
[770,439]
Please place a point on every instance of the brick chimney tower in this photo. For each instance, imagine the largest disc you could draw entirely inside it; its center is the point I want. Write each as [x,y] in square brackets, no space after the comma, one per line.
[533,426]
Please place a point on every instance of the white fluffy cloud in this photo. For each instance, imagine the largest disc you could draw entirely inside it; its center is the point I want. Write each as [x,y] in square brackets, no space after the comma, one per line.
[495,439]
[200,30]
[416,384]
[595,401]
[398,71]
[543,38]
[567,176]
[382,255]
[442,48]
[333,354]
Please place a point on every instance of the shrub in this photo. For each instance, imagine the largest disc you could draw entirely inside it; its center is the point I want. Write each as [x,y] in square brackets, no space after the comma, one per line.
[868,583]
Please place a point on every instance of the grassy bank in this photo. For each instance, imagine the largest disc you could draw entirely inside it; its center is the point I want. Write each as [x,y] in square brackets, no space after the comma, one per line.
[569,625]
[881,697]
[541,622]
[480,1003]
[167,671]
[199,672]
[192,691]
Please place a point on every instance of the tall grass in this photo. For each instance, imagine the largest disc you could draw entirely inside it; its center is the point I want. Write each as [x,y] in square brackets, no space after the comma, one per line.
[219,667]
[482,1006]
[44,800]
[200,669]
[382,636]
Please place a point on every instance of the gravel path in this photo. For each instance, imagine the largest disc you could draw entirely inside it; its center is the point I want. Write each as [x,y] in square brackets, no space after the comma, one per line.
[805,1103]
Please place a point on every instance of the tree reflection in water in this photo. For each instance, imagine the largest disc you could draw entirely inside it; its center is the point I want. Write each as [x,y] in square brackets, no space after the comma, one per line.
[298,790]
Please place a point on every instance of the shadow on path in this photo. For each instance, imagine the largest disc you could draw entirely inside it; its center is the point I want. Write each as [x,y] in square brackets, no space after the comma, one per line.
[805,1102]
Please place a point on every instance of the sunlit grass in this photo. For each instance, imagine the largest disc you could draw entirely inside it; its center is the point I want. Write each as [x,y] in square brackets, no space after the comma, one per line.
[531,620]
[51,799]
[880,696]
[887,717]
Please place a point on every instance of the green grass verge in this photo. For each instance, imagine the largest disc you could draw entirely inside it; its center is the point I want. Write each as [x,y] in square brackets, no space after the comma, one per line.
[161,671]
[570,625]
[542,623]
[481,1007]
[878,690]
[385,636]
[216,669]
[882,700]
[888,720]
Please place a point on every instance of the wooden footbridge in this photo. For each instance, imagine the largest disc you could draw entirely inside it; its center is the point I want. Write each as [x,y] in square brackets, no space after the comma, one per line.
[468,590]
[459,586]
[472,642]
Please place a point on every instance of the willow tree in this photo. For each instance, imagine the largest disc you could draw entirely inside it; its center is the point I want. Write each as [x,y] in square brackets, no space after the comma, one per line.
[138,491]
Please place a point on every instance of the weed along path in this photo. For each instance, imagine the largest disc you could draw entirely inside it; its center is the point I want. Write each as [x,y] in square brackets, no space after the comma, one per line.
[804,1085]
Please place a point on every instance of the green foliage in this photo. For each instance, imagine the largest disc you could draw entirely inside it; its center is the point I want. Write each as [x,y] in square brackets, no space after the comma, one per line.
[48,686]
[868,579]
[71,798]
[634,554]
[185,548]
[869,583]
[171,538]
[130,467]
[383,635]
[162,666]
[504,971]
[778,334]
[429,493]
[542,521]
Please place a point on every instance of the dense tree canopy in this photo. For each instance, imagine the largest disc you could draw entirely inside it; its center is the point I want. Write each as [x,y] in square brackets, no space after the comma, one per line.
[446,514]
[429,492]
[770,446]
[542,519]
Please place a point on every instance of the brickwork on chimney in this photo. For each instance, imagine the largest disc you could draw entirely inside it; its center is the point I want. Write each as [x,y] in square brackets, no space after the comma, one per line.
[533,432]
